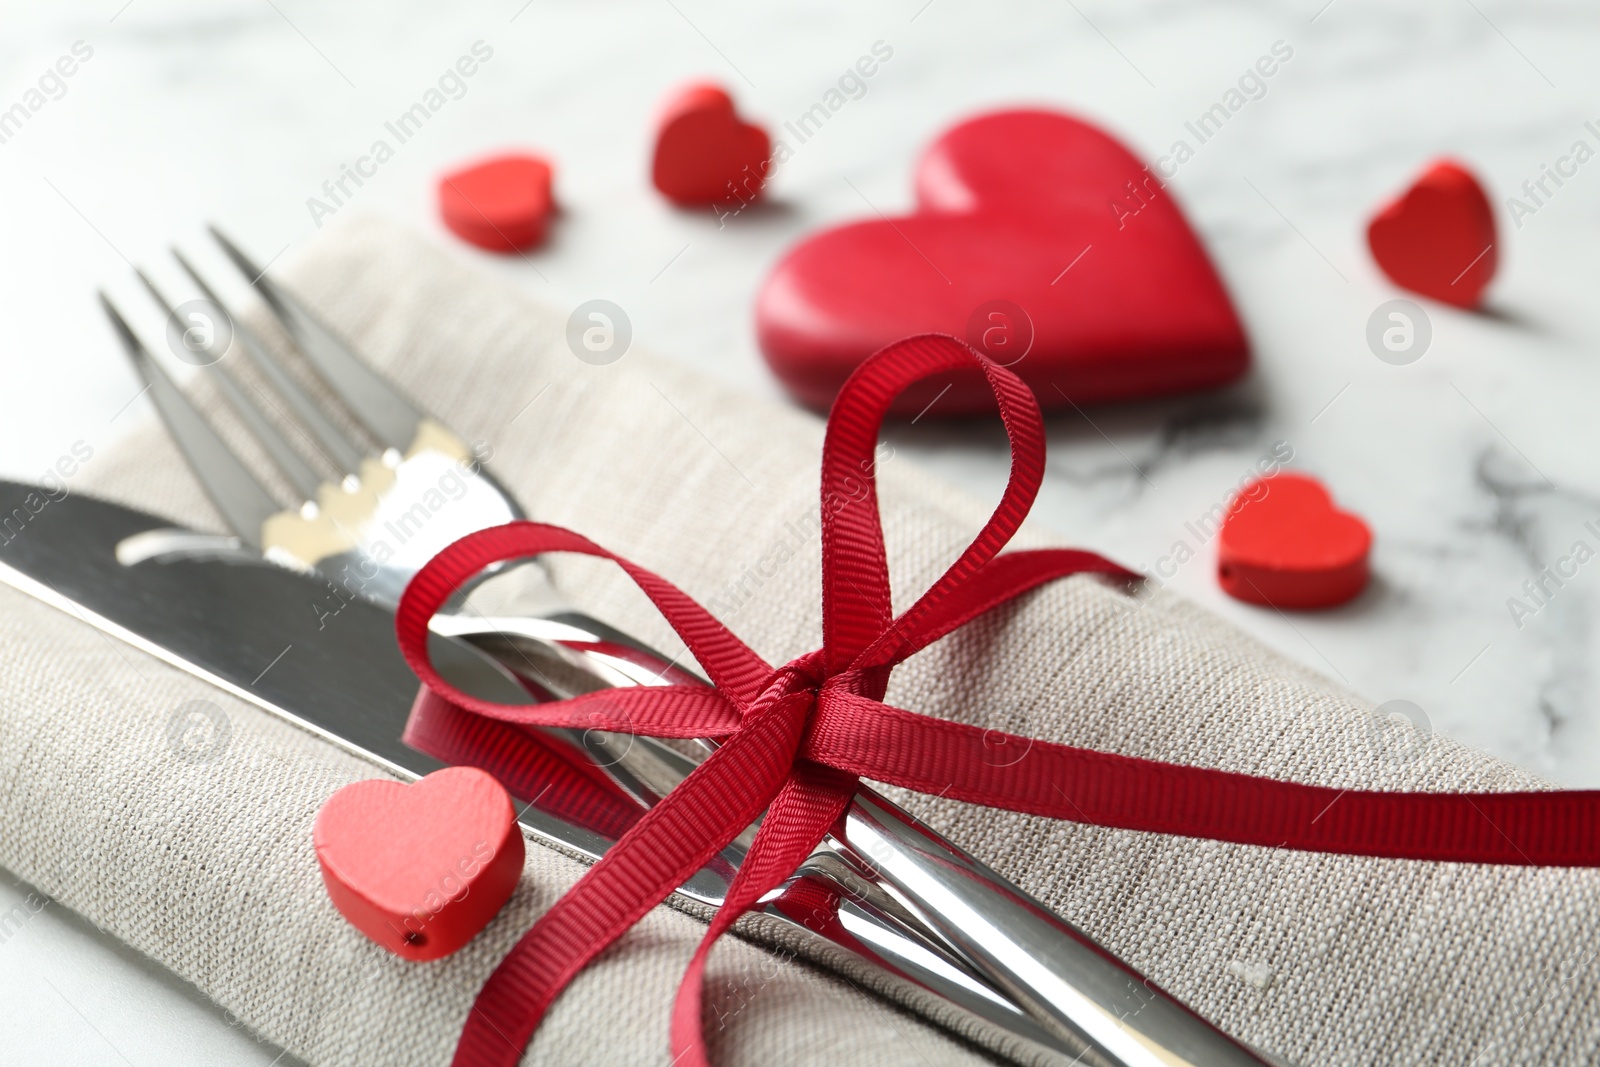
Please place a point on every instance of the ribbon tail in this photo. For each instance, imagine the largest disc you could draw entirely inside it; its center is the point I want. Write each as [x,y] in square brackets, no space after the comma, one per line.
[808,805]
[674,839]
[1555,828]
[571,787]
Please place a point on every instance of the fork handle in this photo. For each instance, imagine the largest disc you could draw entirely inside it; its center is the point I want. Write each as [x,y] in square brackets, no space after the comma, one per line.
[1100,1008]
[1051,969]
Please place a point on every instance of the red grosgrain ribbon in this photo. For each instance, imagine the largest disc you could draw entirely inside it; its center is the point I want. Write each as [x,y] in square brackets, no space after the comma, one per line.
[796,739]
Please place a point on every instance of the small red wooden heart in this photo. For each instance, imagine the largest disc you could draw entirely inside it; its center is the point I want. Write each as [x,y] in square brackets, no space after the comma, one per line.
[706,154]
[1284,544]
[1041,241]
[420,868]
[1438,238]
[500,204]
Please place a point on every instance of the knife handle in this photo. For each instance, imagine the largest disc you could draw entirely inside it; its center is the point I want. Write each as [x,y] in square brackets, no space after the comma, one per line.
[1107,1013]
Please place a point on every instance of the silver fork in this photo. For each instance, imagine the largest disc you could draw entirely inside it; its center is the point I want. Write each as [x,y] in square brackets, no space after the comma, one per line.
[405,486]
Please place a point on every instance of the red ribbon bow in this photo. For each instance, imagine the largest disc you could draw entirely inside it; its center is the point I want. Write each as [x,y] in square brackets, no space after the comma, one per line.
[795,740]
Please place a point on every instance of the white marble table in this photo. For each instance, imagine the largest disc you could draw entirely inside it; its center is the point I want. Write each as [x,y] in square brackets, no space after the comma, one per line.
[1475,465]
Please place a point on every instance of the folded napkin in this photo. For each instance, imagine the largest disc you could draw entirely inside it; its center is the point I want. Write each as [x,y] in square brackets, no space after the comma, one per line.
[208,867]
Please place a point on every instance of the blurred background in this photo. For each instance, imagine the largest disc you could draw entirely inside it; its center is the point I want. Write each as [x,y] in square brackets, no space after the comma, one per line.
[1474,464]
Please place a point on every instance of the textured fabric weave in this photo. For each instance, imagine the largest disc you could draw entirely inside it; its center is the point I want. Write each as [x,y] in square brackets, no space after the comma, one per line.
[207,866]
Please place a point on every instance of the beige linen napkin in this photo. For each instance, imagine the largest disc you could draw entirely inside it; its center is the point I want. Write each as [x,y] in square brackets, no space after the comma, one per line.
[207,867]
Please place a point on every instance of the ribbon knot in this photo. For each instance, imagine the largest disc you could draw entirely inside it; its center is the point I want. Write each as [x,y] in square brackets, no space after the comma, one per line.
[796,740]
[803,674]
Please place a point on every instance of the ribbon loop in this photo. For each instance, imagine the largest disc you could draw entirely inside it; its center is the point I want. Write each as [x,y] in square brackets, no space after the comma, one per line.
[855,575]
[797,739]
[737,671]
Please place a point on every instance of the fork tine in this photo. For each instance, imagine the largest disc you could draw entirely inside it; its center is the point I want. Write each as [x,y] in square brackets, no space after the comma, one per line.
[244,503]
[340,450]
[390,417]
[298,472]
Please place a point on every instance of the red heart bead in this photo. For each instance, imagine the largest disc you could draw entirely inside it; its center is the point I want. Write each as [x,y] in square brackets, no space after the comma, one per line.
[500,204]
[420,868]
[1438,238]
[1284,544]
[1041,241]
[706,154]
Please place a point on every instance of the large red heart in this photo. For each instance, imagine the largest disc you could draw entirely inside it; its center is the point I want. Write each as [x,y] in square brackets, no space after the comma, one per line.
[1284,544]
[706,154]
[1037,238]
[1438,238]
[420,868]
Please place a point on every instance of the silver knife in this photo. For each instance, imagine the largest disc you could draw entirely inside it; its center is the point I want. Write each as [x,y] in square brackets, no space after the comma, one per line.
[223,614]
